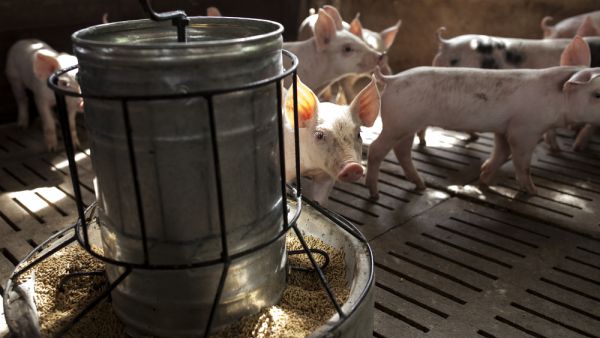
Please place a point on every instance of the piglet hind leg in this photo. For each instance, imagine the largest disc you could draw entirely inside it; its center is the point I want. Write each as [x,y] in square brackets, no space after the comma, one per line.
[48,124]
[522,145]
[377,151]
[319,188]
[421,134]
[500,155]
[403,151]
[18,90]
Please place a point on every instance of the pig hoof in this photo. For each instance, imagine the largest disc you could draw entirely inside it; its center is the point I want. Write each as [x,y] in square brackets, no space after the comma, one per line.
[51,146]
[554,148]
[532,191]
[472,137]
[374,196]
[578,148]
[422,142]
[420,187]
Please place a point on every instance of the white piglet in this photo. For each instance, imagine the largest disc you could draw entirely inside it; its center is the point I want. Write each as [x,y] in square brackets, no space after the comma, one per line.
[582,24]
[329,134]
[518,106]
[483,51]
[29,64]
[332,54]
[379,41]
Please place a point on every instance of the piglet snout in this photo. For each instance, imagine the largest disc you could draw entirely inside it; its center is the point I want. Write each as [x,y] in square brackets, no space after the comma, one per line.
[351,172]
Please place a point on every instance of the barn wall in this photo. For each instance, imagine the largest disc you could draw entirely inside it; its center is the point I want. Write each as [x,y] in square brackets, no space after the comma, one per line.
[416,43]
[53,21]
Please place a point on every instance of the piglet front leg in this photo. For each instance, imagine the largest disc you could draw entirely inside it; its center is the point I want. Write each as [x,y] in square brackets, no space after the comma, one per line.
[550,139]
[319,188]
[48,123]
[21,97]
[583,137]
[499,156]
[522,144]
[377,152]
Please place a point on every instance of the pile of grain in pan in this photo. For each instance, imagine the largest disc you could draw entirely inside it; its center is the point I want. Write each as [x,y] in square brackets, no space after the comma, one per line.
[56,306]
[304,306]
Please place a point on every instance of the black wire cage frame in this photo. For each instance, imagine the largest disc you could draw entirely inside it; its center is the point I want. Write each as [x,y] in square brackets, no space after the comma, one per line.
[80,230]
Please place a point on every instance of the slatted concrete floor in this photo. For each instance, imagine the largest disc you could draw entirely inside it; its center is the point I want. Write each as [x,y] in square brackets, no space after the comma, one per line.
[450,261]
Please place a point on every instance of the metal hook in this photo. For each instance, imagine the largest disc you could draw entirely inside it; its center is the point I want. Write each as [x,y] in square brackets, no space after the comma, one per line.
[179,19]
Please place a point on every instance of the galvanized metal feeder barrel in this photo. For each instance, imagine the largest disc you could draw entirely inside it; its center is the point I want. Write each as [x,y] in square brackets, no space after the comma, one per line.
[173,202]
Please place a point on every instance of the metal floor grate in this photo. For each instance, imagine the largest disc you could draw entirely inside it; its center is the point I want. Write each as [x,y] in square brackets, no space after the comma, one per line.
[463,269]
[36,196]
[568,182]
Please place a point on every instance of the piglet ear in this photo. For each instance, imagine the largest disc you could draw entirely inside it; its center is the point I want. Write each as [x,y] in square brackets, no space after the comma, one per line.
[324,30]
[213,11]
[335,15]
[388,35]
[577,53]
[44,64]
[307,105]
[582,77]
[356,26]
[587,28]
[367,103]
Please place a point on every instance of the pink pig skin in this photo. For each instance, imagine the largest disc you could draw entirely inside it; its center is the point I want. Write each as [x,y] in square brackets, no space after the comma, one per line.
[29,64]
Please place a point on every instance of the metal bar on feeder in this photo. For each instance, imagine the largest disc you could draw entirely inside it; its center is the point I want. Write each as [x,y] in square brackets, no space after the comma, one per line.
[93,303]
[218,179]
[281,154]
[61,106]
[296,132]
[136,182]
[215,304]
[322,278]
[178,18]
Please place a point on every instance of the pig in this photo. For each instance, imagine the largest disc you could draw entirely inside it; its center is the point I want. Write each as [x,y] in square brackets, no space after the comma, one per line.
[29,64]
[331,54]
[379,41]
[565,29]
[483,51]
[492,52]
[568,27]
[329,137]
[213,11]
[518,106]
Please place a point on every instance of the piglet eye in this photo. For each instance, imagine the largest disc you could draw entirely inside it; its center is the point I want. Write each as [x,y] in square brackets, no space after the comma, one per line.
[348,49]
[597,95]
[63,83]
[319,135]
[453,62]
